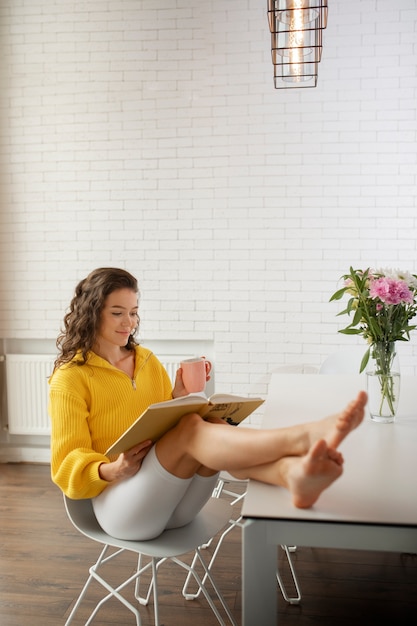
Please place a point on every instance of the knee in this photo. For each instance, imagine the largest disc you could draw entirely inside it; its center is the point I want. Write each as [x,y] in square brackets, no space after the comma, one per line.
[189,425]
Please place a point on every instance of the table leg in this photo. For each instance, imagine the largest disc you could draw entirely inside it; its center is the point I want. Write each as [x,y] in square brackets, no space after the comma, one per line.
[259,583]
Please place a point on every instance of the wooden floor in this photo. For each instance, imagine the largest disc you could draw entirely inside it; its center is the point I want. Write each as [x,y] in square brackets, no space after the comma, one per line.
[44,562]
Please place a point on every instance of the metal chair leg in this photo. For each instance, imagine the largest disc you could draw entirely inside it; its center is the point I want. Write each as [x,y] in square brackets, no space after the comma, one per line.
[290,599]
[218,491]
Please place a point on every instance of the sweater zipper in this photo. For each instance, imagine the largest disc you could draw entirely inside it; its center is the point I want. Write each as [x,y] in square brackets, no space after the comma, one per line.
[132,379]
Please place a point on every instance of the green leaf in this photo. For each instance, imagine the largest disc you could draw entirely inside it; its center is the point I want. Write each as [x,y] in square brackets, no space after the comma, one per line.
[365,360]
[374,328]
[357,317]
[338,295]
[352,304]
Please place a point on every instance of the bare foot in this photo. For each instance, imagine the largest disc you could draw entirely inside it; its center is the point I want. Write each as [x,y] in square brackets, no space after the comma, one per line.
[336,427]
[309,476]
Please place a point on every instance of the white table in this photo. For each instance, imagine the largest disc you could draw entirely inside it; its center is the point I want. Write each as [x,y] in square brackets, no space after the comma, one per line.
[373,506]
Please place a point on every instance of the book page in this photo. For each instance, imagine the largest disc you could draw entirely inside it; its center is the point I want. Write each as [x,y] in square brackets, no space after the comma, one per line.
[230,397]
[232,412]
[191,398]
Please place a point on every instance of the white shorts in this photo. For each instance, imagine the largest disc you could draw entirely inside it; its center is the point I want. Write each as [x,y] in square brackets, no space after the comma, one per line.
[143,506]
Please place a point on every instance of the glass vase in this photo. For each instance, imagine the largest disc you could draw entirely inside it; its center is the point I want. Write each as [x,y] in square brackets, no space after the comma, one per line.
[383,378]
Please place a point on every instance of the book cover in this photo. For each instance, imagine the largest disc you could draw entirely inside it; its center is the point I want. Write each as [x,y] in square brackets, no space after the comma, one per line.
[158,418]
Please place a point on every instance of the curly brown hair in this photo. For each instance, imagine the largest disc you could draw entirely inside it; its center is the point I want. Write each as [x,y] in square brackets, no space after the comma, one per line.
[82,321]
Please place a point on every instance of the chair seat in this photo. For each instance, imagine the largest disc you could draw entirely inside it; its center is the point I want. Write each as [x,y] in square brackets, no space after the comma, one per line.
[211,519]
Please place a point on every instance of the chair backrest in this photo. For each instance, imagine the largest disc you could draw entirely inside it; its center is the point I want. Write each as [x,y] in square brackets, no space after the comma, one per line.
[81,515]
[346,361]
[296,368]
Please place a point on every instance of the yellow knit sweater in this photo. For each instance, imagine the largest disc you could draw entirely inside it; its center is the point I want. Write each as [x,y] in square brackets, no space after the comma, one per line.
[90,406]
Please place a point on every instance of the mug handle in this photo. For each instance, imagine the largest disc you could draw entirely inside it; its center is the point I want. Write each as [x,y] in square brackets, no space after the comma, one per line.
[207,365]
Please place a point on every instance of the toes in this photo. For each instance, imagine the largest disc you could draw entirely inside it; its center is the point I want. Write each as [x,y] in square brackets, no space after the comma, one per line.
[335,456]
[318,450]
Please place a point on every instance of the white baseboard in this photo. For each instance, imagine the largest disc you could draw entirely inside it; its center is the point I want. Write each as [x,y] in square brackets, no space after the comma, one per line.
[24,454]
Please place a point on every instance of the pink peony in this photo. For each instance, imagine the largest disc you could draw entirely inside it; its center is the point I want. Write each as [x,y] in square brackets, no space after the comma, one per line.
[390,291]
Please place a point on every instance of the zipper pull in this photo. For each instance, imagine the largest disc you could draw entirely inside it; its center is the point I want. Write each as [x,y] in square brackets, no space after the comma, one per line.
[134,384]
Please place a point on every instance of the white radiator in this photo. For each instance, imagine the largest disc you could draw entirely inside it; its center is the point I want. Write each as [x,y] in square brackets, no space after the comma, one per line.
[172,362]
[27,390]
[27,393]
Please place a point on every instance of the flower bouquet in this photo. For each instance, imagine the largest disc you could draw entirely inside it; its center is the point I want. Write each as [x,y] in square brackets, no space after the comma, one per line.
[382,303]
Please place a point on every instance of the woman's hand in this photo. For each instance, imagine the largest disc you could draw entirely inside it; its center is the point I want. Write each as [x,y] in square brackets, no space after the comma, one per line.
[179,388]
[127,464]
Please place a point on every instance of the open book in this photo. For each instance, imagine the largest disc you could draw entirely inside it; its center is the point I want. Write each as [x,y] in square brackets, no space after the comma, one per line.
[158,418]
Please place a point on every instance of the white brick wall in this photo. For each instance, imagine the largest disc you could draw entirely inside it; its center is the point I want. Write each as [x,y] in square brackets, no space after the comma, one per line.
[148,135]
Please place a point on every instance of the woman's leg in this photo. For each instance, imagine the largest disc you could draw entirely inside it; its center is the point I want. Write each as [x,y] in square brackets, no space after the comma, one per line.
[140,507]
[284,457]
[305,477]
[196,496]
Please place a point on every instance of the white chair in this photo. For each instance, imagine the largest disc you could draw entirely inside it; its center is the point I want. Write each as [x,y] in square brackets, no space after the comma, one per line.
[222,488]
[346,361]
[168,546]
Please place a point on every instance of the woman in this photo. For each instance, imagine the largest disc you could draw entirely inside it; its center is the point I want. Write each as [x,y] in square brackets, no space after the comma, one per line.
[103,380]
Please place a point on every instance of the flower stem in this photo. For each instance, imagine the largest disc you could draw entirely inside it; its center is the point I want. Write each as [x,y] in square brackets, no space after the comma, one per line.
[383,354]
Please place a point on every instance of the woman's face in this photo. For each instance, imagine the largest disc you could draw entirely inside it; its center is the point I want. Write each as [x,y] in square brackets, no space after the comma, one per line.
[119,317]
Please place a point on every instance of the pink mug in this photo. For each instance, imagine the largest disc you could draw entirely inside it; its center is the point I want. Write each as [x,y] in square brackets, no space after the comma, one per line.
[194,374]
